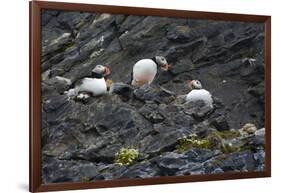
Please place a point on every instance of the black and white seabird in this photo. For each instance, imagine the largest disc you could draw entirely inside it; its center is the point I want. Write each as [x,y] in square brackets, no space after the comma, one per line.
[94,85]
[144,70]
[198,93]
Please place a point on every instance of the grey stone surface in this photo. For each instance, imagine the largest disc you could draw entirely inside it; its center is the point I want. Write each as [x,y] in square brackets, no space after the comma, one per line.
[79,140]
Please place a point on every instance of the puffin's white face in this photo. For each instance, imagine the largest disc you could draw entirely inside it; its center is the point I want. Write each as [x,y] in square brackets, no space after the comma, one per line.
[194,84]
[160,60]
[100,69]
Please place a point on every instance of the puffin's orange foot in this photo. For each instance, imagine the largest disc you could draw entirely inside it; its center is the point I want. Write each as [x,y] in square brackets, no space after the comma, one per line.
[109,83]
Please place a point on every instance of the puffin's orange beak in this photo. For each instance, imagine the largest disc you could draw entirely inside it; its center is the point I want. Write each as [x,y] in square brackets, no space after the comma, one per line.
[165,67]
[107,71]
[189,84]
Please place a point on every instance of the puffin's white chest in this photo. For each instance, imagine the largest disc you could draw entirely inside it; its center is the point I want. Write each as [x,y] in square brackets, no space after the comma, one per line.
[96,86]
[145,68]
[199,94]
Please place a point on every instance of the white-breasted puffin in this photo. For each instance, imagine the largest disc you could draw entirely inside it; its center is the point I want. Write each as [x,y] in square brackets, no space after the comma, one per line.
[198,93]
[95,85]
[144,70]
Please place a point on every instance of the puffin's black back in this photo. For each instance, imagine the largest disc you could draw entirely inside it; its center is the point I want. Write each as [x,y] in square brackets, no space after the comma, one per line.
[96,75]
[79,81]
[154,60]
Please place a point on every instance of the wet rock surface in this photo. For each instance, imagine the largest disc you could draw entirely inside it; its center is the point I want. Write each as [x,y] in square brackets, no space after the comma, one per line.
[80,140]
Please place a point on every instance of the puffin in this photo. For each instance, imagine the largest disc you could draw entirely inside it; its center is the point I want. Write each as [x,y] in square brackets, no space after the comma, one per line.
[198,93]
[145,70]
[95,85]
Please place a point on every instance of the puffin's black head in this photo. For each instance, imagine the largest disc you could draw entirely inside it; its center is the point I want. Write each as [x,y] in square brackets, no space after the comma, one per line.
[194,84]
[162,63]
[100,71]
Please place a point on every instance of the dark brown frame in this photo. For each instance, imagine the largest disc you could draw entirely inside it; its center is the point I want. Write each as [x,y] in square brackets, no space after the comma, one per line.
[35,7]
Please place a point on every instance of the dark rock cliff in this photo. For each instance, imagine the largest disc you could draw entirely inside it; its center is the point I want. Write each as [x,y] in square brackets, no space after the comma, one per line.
[80,140]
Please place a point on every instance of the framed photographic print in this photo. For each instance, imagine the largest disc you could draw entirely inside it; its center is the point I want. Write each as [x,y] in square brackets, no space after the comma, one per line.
[123,96]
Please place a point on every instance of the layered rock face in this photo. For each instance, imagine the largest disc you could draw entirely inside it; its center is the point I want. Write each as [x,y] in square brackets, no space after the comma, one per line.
[80,139]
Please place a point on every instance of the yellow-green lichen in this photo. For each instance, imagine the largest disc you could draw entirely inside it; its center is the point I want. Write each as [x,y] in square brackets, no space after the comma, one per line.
[214,140]
[193,66]
[230,148]
[126,156]
[228,134]
[186,143]
[218,140]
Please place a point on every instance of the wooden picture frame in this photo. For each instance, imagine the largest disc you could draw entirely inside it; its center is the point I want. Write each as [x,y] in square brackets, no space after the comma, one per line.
[36,8]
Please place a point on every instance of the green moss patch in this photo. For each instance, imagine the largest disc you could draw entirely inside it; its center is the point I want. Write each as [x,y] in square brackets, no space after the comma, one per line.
[126,156]
[215,140]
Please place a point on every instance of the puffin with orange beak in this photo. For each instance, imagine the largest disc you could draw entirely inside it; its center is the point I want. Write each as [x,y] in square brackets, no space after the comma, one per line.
[145,70]
[94,85]
[198,93]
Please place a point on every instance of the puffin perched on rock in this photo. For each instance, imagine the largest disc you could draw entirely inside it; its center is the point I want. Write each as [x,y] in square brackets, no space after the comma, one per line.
[95,85]
[197,93]
[144,70]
